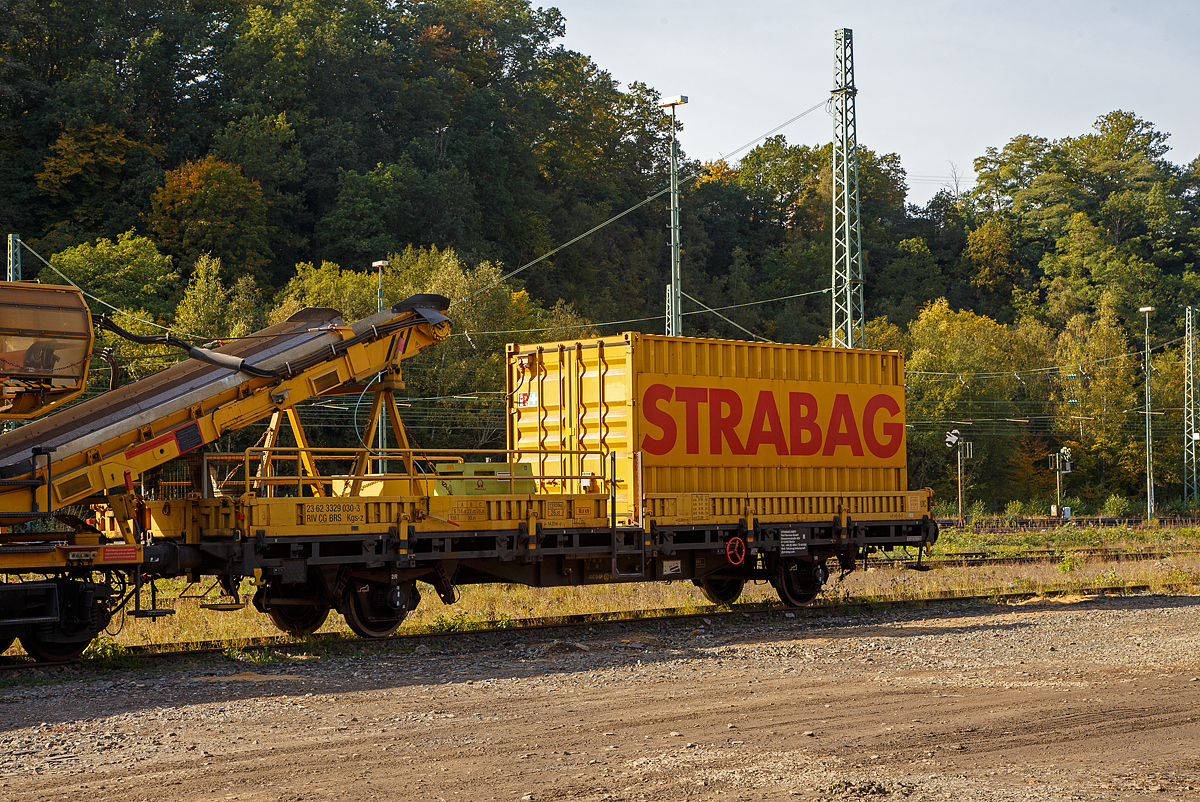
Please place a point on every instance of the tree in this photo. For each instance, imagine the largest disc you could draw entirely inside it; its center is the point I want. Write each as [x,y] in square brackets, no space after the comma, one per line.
[466,373]
[966,367]
[789,176]
[601,142]
[993,262]
[351,292]
[208,206]
[84,166]
[455,390]
[1085,266]
[211,310]
[901,287]
[1001,175]
[1081,174]
[1100,392]
[127,274]
[135,361]
[267,151]
[94,178]
[396,205]
[204,308]
[1028,478]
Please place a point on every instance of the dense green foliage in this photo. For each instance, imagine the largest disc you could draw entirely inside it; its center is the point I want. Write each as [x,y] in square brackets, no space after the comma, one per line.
[217,163]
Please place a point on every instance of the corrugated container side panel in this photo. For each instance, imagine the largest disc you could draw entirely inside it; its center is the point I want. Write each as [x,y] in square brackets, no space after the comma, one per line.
[586,395]
[577,400]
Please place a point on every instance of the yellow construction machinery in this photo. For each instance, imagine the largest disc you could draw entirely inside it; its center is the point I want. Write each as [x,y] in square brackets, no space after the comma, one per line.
[63,478]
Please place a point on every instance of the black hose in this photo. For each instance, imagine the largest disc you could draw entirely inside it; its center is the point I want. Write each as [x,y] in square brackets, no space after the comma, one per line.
[114,369]
[203,354]
[425,306]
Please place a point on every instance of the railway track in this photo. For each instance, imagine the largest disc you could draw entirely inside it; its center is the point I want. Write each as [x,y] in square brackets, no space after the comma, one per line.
[1034,556]
[996,526]
[336,642]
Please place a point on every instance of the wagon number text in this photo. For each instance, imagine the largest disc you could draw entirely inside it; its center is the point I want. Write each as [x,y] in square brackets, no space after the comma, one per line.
[333,514]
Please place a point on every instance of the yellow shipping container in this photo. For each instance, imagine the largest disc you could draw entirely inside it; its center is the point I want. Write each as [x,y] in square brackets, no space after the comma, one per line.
[717,419]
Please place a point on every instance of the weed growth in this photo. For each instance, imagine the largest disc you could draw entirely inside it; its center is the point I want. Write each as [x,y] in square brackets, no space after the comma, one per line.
[240,655]
[105,649]
[1069,563]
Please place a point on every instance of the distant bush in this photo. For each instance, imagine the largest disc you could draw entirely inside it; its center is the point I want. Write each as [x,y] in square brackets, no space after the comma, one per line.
[945,509]
[1078,506]
[104,649]
[1116,506]
[1068,563]
[977,509]
[1038,506]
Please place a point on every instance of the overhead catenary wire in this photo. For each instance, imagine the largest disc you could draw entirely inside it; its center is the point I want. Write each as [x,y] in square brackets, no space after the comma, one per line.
[727,320]
[633,208]
[774,130]
[646,319]
[953,376]
[99,300]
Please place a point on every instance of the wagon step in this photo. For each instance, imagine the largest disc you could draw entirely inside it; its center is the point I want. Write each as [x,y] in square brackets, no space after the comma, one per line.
[619,549]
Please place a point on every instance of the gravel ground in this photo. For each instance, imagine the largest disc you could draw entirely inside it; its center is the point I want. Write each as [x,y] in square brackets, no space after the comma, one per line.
[1082,699]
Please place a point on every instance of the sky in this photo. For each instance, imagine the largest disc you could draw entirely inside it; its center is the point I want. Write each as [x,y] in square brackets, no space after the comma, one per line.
[938,81]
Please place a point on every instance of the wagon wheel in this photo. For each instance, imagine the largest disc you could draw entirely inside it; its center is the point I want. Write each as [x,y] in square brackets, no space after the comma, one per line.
[299,620]
[722,591]
[375,609]
[798,582]
[52,652]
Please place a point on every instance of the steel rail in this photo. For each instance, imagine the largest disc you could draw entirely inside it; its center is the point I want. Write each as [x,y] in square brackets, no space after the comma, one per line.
[993,525]
[975,559]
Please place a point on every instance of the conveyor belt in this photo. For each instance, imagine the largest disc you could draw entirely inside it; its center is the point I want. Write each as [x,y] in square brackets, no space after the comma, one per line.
[81,426]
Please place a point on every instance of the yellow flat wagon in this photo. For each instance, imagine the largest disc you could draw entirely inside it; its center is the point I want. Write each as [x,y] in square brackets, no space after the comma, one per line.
[783,442]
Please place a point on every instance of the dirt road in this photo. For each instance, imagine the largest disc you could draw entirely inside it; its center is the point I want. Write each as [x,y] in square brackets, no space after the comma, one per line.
[1093,699]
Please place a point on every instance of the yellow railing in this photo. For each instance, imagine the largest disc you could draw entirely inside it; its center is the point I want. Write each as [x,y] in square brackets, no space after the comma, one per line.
[342,472]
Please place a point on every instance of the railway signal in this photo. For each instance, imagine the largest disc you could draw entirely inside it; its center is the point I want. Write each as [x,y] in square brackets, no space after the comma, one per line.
[1060,463]
[965,451]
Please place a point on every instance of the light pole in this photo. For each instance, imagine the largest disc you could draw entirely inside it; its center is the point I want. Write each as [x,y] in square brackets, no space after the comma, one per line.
[1149,444]
[379,266]
[965,451]
[674,318]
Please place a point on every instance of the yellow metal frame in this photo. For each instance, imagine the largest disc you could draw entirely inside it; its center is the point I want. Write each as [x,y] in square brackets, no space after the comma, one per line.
[356,502]
[88,473]
[74,556]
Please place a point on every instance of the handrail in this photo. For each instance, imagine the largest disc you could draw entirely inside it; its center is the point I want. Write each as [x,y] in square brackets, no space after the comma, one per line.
[310,456]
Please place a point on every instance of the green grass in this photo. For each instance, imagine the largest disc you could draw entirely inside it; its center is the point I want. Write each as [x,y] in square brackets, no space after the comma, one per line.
[1063,538]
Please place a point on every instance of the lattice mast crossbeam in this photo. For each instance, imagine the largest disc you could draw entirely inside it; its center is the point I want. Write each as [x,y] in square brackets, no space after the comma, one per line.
[847,284]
